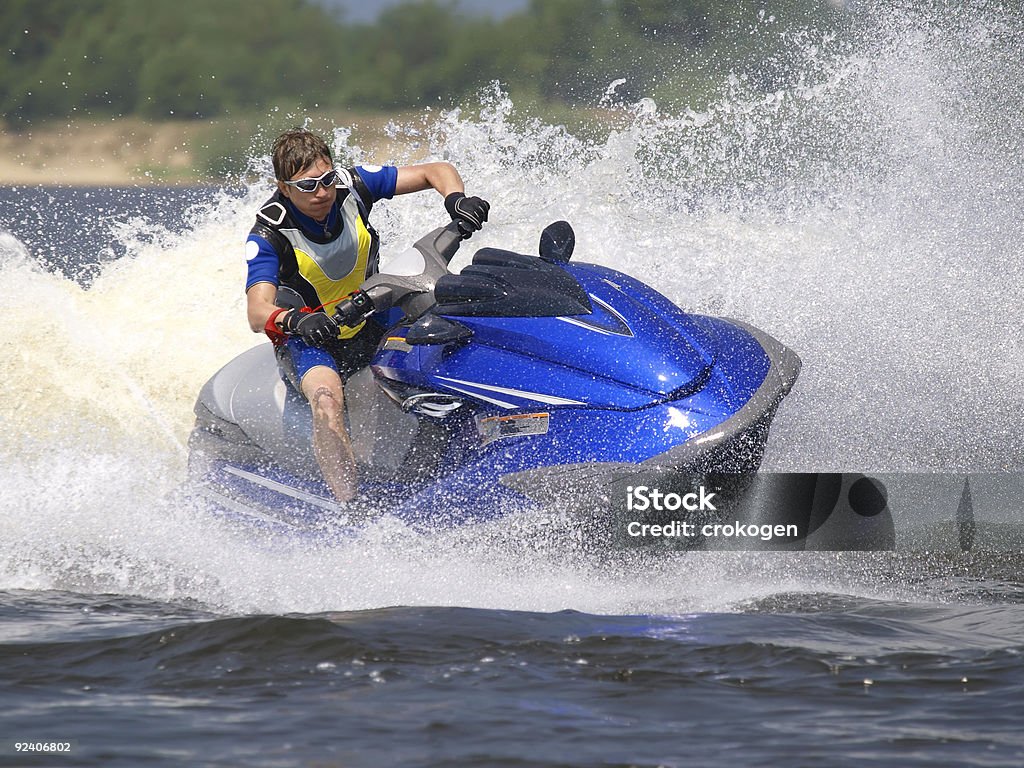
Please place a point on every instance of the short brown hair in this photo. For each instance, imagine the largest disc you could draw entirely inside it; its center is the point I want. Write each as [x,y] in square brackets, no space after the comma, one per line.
[298,149]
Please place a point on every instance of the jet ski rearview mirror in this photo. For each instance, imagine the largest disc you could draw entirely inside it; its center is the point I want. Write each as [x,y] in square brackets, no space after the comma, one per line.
[434,329]
[557,241]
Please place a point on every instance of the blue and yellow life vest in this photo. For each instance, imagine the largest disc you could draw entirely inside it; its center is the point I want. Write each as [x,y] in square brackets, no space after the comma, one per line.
[322,270]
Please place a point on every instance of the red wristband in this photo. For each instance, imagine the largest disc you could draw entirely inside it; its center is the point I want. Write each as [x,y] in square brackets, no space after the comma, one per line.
[271,329]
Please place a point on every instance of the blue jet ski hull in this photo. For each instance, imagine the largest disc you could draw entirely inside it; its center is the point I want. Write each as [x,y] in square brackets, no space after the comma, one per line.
[549,381]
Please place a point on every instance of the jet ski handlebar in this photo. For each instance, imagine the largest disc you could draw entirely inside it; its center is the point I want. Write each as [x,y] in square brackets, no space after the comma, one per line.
[354,308]
[406,281]
[443,242]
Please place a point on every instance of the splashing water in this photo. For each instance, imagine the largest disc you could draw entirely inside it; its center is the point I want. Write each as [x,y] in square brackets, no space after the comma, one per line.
[865,213]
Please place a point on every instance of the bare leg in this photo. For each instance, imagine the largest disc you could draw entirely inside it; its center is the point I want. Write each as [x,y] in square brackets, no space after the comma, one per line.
[331,444]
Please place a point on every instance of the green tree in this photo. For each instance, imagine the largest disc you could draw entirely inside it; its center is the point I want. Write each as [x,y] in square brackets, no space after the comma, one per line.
[194,58]
[34,80]
[418,53]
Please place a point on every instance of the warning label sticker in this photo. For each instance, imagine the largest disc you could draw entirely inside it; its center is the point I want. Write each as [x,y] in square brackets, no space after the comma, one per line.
[497,427]
[397,343]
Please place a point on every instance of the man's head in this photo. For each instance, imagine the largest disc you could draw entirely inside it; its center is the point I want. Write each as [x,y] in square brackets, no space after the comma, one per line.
[299,155]
[296,150]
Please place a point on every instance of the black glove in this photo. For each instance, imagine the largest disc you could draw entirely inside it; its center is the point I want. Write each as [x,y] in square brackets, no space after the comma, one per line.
[314,327]
[353,309]
[469,212]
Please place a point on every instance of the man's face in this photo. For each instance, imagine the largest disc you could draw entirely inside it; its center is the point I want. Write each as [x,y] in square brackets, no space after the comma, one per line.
[316,204]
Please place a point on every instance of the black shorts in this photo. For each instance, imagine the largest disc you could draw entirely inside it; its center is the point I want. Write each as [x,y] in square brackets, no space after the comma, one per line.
[295,357]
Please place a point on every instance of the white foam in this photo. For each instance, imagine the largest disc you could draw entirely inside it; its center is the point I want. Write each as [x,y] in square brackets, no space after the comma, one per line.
[867,215]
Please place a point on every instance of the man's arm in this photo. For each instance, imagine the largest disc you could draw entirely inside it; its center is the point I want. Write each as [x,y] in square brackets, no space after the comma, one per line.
[470,212]
[440,176]
[259,301]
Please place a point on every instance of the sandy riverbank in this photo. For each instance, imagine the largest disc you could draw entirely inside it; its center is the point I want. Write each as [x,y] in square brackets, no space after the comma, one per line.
[130,151]
[126,151]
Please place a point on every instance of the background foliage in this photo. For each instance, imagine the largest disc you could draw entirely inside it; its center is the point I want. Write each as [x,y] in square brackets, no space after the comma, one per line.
[201,59]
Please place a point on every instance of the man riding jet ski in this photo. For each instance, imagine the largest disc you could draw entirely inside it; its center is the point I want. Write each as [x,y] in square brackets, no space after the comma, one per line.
[521,381]
[311,245]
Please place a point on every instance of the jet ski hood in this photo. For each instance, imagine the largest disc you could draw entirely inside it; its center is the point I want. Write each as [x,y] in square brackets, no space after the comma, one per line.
[581,333]
[625,338]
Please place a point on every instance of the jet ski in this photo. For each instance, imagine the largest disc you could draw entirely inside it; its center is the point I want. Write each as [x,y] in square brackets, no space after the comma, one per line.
[519,382]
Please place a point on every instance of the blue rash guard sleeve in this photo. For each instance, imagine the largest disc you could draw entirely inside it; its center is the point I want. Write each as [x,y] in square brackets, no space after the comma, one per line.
[380,180]
[263,262]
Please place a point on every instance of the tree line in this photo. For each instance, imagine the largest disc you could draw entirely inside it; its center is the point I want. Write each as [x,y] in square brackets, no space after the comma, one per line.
[207,58]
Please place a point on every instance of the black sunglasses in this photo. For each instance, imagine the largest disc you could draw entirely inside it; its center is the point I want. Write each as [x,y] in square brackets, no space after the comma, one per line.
[329,179]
